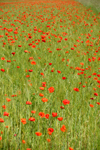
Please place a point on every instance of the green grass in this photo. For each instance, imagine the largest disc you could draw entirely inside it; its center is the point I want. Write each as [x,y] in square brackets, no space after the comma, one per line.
[93,4]
[79,25]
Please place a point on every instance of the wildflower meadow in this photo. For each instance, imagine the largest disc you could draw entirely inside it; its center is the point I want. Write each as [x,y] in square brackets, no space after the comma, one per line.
[49,75]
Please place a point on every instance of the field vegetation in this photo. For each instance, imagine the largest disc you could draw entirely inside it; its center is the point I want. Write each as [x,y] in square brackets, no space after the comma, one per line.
[49,75]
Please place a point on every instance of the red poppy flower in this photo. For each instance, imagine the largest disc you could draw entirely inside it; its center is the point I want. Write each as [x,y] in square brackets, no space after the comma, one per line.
[75,45]
[28,102]
[4,107]
[52,70]
[44,99]
[63,128]
[63,78]
[8,60]
[30,44]
[1,120]
[30,70]
[43,36]
[23,141]
[60,118]
[92,98]
[6,114]
[54,114]
[76,89]
[44,84]
[58,71]
[98,81]
[41,88]
[89,76]
[66,52]
[31,119]
[71,148]
[59,41]
[26,51]
[23,120]
[43,40]
[62,107]
[8,99]
[42,73]
[3,70]
[58,49]
[27,76]
[89,59]
[65,102]
[2,58]
[98,75]
[91,105]
[96,94]
[31,58]
[33,63]
[33,111]
[83,85]
[98,103]
[4,43]
[48,26]
[33,46]
[41,114]
[41,94]
[0,138]
[30,36]
[50,129]
[51,89]
[48,140]
[19,45]
[15,32]
[35,29]
[47,116]
[38,133]
[13,53]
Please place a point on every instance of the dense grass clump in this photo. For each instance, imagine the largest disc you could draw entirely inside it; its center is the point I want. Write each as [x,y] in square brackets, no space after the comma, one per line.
[92,4]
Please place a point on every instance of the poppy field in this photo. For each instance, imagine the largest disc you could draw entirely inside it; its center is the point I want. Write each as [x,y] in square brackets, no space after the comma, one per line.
[49,76]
